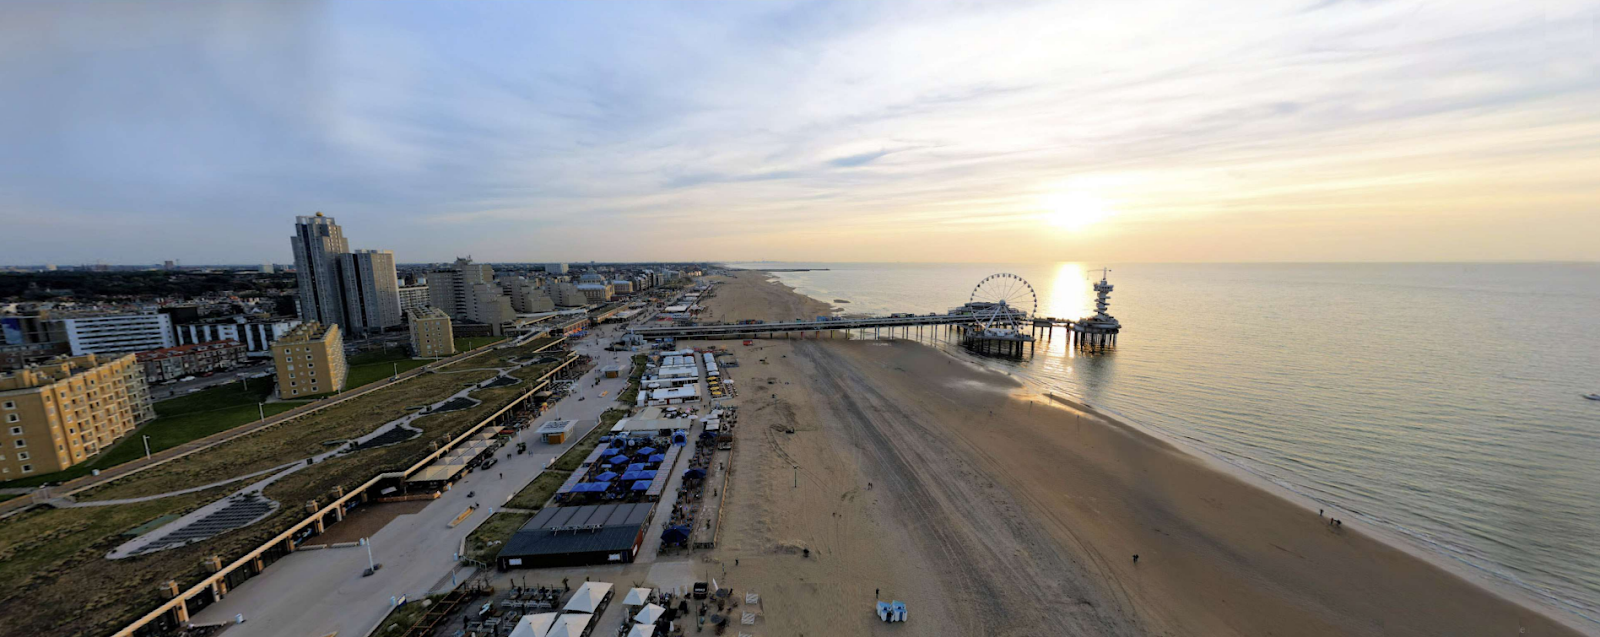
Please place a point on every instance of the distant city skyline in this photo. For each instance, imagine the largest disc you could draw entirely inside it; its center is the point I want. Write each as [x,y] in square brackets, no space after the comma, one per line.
[1322,131]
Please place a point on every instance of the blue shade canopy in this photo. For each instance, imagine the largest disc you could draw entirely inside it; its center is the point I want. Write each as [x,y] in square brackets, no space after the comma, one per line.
[673,534]
[695,473]
[642,485]
[657,457]
[606,477]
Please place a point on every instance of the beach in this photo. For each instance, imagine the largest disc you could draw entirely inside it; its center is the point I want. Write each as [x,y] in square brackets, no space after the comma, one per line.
[991,509]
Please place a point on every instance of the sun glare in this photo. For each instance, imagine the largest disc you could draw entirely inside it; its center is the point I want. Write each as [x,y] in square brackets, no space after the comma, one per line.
[1075,210]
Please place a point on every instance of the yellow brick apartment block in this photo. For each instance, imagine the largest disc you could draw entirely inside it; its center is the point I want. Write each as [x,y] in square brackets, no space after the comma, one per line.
[430,333]
[60,413]
[309,361]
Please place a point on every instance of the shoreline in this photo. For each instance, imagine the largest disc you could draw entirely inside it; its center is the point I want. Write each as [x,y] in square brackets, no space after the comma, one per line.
[1486,582]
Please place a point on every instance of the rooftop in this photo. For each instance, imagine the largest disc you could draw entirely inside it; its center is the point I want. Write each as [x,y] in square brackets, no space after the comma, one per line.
[425,313]
[184,350]
[53,371]
[307,332]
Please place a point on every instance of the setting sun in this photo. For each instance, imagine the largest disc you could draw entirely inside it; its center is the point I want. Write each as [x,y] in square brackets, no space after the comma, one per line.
[1075,210]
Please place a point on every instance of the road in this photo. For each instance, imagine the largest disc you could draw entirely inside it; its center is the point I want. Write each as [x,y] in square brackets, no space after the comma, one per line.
[315,593]
[173,390]
[9,507]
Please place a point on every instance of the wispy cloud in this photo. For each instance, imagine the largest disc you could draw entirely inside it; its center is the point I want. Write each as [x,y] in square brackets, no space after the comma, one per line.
[798,130]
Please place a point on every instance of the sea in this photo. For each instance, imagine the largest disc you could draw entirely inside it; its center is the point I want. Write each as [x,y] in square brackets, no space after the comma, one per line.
[1442,403]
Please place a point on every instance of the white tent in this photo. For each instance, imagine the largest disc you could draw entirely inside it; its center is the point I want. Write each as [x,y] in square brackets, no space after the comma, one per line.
[638,597]
[588,597]
[649,614]
[642,630]
[534,625]
[570,625]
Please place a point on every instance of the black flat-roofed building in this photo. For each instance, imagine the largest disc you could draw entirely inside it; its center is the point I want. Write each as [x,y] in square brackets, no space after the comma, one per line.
[576,536]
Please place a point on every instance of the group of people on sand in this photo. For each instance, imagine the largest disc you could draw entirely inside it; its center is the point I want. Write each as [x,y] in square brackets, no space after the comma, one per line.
[1333,522]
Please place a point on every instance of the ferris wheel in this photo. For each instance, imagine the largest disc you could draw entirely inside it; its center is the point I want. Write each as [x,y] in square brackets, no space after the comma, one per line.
[1002,300]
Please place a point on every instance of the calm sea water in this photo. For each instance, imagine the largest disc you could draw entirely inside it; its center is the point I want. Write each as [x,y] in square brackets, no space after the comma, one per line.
[1441,402]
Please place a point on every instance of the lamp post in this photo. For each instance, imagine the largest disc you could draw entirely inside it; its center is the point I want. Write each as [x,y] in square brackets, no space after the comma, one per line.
[262,410]
[146,447]
[396,373]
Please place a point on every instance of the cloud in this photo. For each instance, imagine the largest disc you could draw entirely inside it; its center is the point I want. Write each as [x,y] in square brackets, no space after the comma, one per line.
[858,160]
[737,130]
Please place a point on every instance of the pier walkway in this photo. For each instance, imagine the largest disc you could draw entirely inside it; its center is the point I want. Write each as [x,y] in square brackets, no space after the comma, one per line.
[758,329]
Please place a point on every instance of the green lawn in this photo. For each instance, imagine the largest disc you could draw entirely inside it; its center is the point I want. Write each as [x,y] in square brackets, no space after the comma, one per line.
[371,367]
[466,343]
[178,420]
[538,492]
[485,541]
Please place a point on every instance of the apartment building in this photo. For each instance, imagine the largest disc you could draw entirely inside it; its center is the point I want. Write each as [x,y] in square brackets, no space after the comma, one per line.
[412,297]
[371,291]
[317,243]
[173,363]
[310,361]
[565,294]
[256,335]
[526,296]
[467,292]
[595,292]
[63,412]
[117,333]
[430,333]
[357,291]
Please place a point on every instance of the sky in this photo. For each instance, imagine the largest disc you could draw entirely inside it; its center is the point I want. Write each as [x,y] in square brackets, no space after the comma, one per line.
[1125,131]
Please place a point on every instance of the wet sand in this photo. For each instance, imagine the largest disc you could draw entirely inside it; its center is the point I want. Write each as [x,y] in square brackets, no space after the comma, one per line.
[992,510]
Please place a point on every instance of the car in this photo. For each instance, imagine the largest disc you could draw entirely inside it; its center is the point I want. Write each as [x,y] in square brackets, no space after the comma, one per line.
[185,379]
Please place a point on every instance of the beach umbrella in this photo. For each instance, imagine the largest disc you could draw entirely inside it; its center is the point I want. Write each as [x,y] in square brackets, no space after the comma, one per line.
[638,597]
[642,630]
[606,476]
[649,614]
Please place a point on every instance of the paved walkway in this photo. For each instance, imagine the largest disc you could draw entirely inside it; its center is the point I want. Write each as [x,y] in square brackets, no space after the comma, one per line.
[652,536]
[321,592]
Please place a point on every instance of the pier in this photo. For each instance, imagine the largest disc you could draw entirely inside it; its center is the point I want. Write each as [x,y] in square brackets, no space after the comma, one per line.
[997,320]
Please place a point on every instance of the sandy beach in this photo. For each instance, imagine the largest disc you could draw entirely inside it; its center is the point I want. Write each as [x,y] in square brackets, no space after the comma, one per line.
[992,510]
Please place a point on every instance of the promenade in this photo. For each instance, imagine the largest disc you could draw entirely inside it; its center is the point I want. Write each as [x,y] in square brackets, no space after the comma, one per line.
[321,592]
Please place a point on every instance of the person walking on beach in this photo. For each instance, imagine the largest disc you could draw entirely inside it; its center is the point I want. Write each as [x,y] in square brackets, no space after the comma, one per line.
[1135,558]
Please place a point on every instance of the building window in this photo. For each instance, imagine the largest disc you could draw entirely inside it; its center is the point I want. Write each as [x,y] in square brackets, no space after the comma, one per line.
[27,468]
[23,455]
[22,443]
[295,392]
[13,418]
[16,431]
[11,405]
